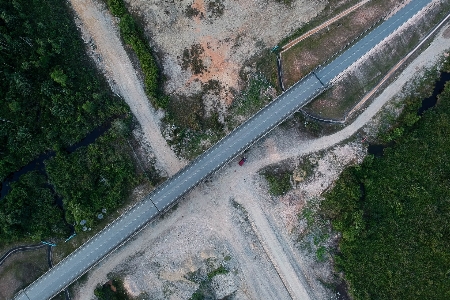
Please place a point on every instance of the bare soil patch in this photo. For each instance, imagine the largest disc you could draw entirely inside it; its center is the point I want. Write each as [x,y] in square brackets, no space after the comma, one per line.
[229,32]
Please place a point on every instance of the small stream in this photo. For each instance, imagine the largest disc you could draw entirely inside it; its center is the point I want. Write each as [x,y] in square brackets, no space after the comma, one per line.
[38,165]
[438,88]
[427,103]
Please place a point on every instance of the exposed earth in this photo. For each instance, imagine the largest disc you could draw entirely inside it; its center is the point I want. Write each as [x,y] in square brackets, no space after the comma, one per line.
[226,33]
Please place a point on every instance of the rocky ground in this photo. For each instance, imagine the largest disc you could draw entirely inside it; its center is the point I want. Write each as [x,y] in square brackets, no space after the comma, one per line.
[226,34]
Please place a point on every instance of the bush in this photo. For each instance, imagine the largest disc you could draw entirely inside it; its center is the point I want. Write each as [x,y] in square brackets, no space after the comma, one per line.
[93,178]
[279,183]
[133,36]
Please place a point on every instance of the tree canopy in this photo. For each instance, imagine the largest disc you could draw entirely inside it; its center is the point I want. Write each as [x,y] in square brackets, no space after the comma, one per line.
[51,96]
[393,213]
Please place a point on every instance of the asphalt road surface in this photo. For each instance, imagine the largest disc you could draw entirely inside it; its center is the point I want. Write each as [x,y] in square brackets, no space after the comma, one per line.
[119,231]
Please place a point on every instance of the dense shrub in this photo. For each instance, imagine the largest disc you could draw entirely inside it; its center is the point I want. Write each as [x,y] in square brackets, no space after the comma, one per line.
[93,178]
[29,211]
[133,36]
[51,96]
[393,214]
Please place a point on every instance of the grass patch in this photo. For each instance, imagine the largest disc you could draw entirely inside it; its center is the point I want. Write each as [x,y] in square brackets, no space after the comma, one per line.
[266,65]
[21,269]
[279,182]
[315,234]
[204,290]
[252,99]
[192,129]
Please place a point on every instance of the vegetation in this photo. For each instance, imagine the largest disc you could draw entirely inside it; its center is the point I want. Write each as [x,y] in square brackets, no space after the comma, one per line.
[253,98]
[191,59]
[112,290]
[194,130]
[204,290]
[279,182]
[133,36]
[336,102]
[392,212]
[192,12]
[51,96]
[216,8]
[93,179]
[28,211]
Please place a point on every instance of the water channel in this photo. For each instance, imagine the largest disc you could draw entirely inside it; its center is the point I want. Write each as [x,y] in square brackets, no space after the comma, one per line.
[427,103]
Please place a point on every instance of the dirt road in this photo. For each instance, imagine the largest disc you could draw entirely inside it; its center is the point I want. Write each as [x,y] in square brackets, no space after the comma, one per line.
[98,25]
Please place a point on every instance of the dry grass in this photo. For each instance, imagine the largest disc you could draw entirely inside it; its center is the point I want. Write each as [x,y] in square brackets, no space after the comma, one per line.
[20,269]
[302,58]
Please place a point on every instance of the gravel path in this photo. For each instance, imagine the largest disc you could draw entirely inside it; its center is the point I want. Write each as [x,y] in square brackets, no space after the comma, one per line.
[98,26]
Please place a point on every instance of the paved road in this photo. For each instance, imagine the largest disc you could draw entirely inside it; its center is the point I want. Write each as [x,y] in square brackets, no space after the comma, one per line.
[118,232]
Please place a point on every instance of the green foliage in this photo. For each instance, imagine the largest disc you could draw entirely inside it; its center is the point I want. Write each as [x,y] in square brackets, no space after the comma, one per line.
[192,12]
[193,129]
[393,214]
[216,8]
[204,290]
[253,98]
[117,7]
[219,270]
[285,2]
[106,292]
[50,91]
[279,183]
[92,178]
[133,36]
[29,211]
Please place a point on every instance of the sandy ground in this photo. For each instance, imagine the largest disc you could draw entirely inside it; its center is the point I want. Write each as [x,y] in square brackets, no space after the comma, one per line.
[100,32]
[230,220]
[229,39]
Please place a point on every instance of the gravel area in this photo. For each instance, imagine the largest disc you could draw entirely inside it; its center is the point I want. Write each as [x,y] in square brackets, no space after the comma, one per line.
[229,31]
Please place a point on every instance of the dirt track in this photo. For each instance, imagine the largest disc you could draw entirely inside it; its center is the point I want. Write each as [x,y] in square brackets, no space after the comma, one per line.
[98,27]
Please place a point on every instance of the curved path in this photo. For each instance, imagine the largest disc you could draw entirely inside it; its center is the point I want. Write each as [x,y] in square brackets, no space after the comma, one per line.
[20,249]
[131,222]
